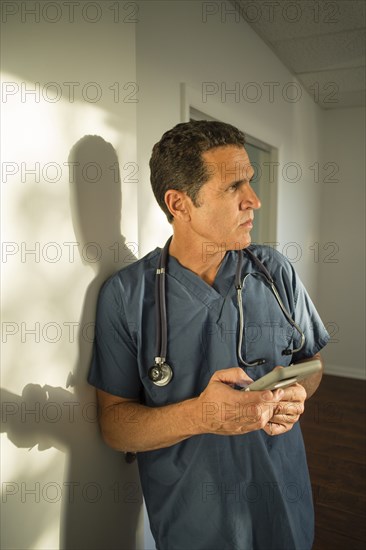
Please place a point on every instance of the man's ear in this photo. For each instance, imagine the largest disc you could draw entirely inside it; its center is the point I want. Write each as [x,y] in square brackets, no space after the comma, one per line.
[177,203]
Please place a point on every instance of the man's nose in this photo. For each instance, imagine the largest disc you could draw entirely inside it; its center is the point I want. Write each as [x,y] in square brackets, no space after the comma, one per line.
[250,199]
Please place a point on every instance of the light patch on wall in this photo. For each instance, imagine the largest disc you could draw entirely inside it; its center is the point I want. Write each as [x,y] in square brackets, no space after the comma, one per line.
[51,276]
[12,463]
[47,321]
[44,274]
[46,540]
[46,125]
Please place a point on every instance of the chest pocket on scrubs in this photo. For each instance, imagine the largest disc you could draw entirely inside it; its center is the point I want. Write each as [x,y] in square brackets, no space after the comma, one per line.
[267,332]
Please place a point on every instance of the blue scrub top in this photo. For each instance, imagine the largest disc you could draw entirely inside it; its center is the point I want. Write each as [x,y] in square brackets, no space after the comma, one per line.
[212,492]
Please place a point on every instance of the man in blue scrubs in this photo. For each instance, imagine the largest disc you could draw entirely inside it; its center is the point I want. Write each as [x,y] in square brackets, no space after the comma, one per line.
[220,469]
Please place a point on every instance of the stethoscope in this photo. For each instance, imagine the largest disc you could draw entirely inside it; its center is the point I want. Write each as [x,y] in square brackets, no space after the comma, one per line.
[161,372]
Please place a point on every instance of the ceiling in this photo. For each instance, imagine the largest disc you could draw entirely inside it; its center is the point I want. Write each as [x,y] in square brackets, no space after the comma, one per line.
[321,42]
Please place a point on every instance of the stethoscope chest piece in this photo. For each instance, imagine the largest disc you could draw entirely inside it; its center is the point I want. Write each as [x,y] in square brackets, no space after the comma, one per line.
[160,374]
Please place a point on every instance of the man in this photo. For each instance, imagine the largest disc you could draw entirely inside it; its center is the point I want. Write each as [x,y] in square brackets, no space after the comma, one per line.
[220,469]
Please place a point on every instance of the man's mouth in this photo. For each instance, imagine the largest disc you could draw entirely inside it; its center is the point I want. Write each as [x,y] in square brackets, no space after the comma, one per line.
[248,223]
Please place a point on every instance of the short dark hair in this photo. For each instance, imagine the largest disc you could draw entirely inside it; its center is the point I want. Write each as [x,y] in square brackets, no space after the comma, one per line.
[176,161]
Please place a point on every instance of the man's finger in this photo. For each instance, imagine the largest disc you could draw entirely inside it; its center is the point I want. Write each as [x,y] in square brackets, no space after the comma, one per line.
[235,375]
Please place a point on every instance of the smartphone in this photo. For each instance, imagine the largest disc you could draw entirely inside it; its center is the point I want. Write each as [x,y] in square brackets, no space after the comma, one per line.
[281,378]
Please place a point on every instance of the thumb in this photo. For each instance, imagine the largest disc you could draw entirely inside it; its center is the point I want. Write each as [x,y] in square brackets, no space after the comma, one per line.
[234,375]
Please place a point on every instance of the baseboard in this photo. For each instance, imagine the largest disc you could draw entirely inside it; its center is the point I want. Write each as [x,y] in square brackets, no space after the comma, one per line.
[347,372]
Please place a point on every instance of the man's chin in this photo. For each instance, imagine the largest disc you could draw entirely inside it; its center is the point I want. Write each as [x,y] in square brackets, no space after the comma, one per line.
[213,247]
[239,245]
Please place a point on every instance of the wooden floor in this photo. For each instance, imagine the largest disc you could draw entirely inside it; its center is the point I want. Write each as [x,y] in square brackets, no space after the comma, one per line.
[334,432]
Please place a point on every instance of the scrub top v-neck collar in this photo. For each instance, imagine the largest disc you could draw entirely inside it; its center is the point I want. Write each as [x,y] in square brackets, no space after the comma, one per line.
[213,296]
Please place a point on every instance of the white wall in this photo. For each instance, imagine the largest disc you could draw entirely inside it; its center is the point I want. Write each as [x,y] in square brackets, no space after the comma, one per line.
[341,258]
[48,491]
[177,42]
[62,487]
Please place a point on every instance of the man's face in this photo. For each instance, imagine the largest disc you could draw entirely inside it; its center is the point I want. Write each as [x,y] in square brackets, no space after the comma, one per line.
[224,217]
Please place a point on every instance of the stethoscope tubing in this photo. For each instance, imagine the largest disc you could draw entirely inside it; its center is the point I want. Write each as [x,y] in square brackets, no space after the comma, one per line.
[161,309]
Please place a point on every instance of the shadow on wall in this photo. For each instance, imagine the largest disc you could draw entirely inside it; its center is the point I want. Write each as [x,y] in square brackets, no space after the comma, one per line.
[101,496]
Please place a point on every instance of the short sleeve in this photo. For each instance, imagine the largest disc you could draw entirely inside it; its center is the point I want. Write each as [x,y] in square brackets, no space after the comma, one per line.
[307,317]
[114,367]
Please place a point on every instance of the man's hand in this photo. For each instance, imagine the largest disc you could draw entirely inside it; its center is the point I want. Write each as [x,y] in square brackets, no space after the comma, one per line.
[220,409]
[227,411]
[288,410]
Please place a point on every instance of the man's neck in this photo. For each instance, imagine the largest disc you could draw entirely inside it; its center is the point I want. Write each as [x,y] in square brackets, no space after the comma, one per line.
[204,259]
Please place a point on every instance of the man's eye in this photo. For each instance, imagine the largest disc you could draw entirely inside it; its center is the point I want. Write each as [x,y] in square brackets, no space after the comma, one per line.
[233,187]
